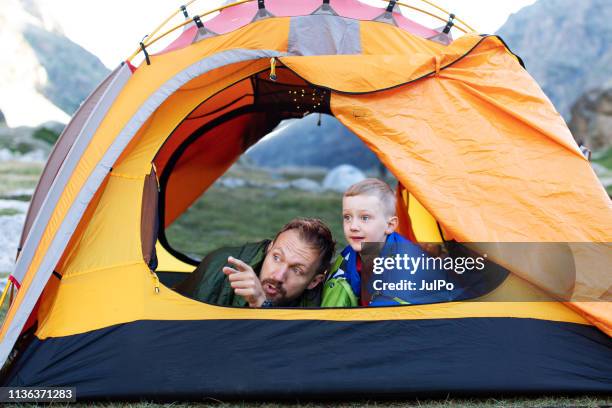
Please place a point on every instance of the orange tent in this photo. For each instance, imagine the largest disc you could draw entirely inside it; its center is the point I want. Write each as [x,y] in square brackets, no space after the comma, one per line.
[471,137]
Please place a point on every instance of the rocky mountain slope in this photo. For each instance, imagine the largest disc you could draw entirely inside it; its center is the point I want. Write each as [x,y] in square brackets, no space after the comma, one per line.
[592,118]
[304,143]
[566,46]
[43,75]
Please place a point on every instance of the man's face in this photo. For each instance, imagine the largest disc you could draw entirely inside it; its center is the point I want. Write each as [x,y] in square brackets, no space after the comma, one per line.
[289,268]
[364,220]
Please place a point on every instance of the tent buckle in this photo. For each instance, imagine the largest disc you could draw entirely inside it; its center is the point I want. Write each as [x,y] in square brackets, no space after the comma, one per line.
[449,24]
[184,10]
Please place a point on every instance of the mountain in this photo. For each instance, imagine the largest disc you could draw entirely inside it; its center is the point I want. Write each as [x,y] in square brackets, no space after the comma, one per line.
[592,119]
[304,143]
[566,46]
[45,75]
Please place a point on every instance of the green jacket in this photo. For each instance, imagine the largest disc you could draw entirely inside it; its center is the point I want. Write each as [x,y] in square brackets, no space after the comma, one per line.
[337,292]
[209,284]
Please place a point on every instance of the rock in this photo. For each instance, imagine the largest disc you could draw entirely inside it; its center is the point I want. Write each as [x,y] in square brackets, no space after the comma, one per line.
[2,119]
[306,184]
[6,155]
[591,122]
[18,206]
[9,239]
[342,177]
[34,156]
[232,182]
[281,185]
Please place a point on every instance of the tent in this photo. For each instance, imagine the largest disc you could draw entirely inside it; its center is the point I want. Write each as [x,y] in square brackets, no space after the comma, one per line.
[473,140]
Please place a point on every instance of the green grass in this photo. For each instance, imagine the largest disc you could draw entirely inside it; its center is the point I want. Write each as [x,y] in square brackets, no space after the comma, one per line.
[585,401]
[226,216]
[8,212]
[18,176]
[13,168]
[603,157]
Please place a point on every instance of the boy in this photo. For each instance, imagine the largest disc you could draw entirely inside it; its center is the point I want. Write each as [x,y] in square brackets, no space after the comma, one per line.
[368,212]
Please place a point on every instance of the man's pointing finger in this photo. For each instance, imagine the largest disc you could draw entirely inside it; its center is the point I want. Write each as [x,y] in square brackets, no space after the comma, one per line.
[239,264]
[229,271]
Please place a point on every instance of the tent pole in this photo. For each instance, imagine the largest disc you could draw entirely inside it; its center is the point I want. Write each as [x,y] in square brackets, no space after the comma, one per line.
[153,40]
[159,37]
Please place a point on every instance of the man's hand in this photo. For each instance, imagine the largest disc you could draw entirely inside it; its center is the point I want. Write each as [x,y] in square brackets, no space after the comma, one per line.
[244,282]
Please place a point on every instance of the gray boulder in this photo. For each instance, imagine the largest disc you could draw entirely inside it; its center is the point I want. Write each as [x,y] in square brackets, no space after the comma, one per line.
[342,177]
[10,225]
[6,155]
[231,182]
[306,184]
[281,185]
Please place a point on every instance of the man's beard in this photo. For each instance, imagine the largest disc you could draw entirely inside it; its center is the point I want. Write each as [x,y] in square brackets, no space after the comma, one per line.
[281,294]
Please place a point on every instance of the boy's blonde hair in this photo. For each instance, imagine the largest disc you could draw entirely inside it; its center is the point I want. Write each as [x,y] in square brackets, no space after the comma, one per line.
[377,188]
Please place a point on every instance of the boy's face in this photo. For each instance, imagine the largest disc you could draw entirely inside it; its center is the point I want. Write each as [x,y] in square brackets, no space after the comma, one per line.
[365,220]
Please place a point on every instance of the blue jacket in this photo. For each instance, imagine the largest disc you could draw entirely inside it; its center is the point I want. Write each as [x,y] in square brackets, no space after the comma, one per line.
[343,287]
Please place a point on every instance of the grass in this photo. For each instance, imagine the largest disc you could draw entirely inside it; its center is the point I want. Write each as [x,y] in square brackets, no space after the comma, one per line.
[603,157]
[8,212]
[586,401]
[18,176]
[15,168]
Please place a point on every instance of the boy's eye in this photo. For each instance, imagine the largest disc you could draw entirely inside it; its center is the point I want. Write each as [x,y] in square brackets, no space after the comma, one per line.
[347,217]
[276,258]
[365,217]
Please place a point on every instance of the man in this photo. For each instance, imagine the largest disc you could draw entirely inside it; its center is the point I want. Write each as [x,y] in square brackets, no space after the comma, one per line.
[283,272]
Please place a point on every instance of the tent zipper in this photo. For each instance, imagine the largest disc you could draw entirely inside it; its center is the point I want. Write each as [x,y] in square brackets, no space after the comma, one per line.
[273,69]
[155,281]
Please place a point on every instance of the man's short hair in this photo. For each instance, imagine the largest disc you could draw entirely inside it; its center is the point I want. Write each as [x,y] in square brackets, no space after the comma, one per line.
[316,234]
[377,188]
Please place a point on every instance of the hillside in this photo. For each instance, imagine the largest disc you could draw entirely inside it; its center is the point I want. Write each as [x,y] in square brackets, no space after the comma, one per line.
[304,143]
